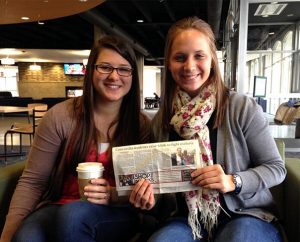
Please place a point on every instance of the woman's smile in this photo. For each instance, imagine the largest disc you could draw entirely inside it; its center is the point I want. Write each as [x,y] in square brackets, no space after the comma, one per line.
[112,86]
[190,77]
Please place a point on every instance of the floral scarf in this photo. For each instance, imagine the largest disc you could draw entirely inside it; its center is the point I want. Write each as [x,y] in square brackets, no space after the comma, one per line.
[190,122]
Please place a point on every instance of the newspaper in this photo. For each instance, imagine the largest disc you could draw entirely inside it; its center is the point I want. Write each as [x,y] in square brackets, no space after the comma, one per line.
[167,165]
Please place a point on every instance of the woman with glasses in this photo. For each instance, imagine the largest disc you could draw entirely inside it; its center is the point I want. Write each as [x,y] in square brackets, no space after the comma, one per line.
[46,205]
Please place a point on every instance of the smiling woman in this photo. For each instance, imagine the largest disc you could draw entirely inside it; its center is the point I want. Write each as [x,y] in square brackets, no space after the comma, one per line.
[197,105]
[108,114]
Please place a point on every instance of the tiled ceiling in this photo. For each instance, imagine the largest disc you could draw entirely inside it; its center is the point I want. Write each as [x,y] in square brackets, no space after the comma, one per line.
[121,16]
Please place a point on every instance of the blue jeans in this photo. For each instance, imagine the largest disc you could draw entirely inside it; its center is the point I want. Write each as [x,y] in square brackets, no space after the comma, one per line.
[237,229]
[79,221]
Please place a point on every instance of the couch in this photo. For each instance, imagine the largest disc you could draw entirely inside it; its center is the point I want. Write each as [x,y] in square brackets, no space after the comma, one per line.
[287,194]
[9,176]
[5,94]
[287,197]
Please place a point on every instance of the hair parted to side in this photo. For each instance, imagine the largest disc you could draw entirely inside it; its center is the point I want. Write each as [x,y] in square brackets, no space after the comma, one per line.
[127,130]
[215,78]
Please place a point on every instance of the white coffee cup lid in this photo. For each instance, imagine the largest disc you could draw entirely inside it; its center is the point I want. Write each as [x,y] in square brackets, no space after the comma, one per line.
[89,166]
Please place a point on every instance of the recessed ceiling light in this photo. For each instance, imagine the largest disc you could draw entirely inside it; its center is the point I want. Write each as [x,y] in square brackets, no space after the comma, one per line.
[25,18]
[269,9]
[35,67]
[140,21]
[82,0]
[7,61]
[41,23]
[271,33]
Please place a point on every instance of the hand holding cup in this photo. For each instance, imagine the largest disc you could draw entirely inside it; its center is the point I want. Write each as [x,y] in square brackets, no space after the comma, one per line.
[97,191]
[92,187]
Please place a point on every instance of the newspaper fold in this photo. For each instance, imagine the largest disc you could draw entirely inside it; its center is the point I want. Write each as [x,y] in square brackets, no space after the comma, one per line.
[167,165]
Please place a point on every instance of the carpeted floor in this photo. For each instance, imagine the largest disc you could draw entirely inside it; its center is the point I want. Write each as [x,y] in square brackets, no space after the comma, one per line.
[15,158]
[291,143]
[292,154]
[292,147]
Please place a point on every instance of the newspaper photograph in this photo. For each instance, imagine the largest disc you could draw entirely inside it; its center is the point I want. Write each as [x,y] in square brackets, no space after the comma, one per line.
[167,165]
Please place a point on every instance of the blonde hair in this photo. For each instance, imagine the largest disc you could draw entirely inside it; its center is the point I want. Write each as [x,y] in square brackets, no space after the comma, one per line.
[215,77]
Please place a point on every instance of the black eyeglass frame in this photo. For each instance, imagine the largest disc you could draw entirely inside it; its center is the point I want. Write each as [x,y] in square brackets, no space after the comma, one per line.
[112,69]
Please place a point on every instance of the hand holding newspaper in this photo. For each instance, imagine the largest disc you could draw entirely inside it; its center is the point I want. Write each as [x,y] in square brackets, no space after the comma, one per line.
[167,165]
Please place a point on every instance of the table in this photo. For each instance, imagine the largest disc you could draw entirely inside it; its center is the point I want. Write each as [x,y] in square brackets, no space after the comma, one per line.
[13,109]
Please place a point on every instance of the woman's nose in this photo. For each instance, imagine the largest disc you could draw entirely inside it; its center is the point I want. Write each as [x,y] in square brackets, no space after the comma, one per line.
[113,75]
[190,64]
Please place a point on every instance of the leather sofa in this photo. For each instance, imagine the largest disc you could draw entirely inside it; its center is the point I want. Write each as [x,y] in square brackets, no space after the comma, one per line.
[4,94]
[287,194]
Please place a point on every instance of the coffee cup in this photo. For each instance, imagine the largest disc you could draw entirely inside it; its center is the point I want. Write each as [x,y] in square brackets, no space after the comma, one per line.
[87,171]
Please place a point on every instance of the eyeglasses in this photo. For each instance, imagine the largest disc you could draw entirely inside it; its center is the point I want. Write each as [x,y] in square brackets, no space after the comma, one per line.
[107,69]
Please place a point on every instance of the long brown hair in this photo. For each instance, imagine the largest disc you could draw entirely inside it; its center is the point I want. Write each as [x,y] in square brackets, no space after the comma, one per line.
[215,77]
[127,129]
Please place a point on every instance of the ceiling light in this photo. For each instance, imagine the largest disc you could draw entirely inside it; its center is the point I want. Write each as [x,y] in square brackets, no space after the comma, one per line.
[7,61]
[39,21]
[25,18]
[140,21]
[269,9]
[35,67]
[271,33]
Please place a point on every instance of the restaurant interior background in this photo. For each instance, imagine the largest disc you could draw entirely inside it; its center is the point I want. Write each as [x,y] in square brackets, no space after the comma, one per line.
[254,39]
[258,49]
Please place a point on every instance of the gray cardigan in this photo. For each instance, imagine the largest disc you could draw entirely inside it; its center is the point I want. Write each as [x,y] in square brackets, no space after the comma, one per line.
[245,147]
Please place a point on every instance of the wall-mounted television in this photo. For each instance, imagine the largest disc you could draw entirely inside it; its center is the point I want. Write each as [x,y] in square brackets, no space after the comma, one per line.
[260,84]
[74,69]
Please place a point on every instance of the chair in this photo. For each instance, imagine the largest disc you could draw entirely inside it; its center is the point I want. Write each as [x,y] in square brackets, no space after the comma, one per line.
[25,128]
[39,106]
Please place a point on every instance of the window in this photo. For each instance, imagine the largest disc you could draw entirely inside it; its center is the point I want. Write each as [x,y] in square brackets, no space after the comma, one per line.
[9,79]
[259,89]
[287,46]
